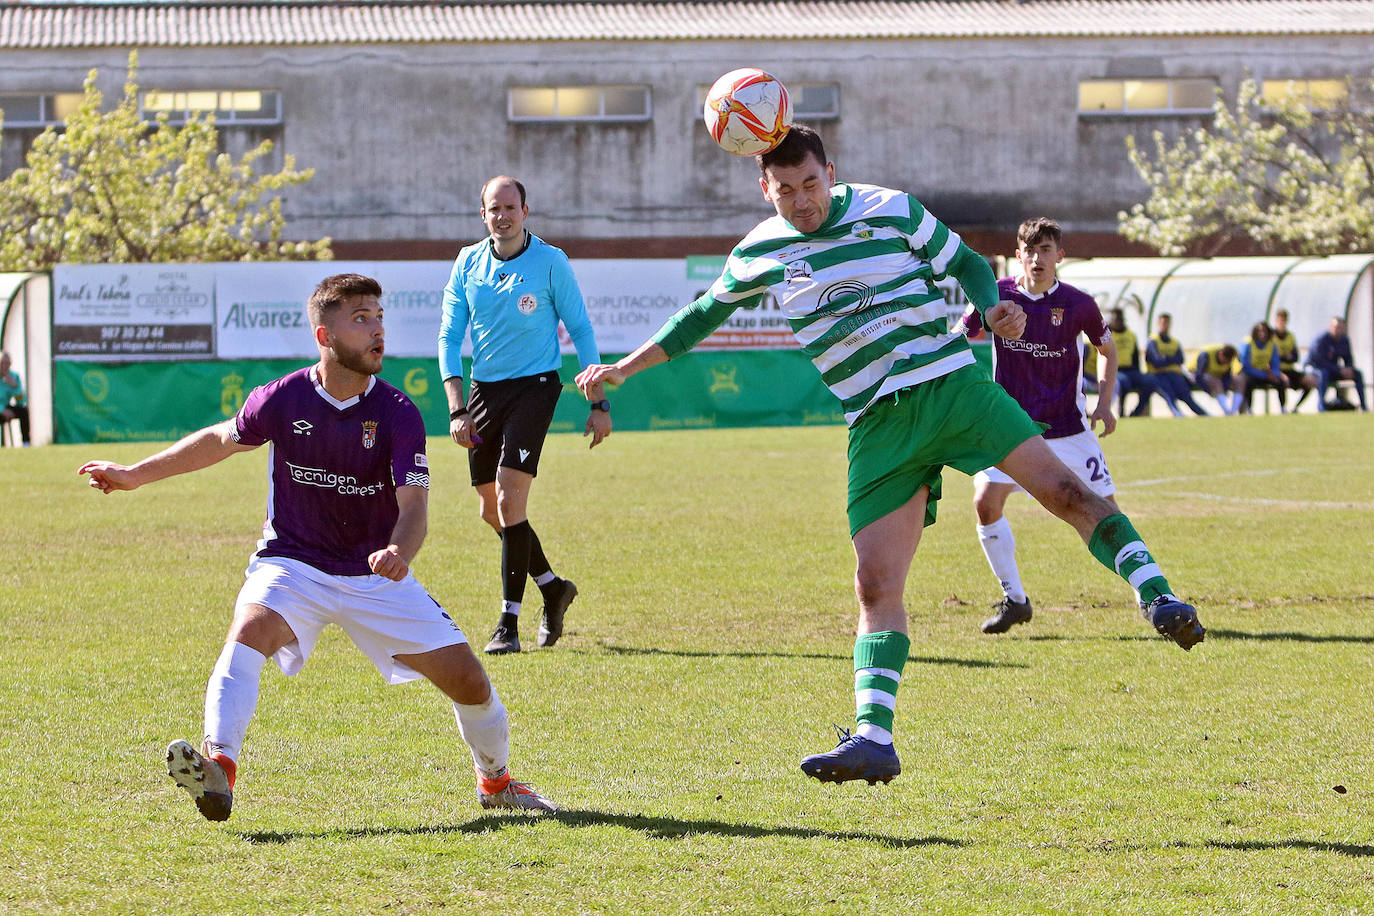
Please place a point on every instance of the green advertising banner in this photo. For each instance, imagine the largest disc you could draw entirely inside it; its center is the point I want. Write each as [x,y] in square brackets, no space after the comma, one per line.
[159,401]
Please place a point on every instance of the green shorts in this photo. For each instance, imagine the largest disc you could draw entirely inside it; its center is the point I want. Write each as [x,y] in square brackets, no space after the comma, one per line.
[903,442]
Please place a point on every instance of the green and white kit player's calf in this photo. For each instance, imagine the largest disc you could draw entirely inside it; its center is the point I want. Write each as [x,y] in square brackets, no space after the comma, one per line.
[867,753]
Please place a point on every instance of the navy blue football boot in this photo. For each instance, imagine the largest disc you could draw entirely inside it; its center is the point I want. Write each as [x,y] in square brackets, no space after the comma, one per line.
[854,758]
[1174,619]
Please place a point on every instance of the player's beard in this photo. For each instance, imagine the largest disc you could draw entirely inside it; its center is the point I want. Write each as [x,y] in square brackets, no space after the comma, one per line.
[359,361]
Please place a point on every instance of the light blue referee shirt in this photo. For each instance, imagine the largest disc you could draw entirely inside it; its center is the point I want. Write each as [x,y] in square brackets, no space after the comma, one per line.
[513,307]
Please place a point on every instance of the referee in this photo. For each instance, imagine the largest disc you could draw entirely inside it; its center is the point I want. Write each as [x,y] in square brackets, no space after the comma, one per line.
[512,289]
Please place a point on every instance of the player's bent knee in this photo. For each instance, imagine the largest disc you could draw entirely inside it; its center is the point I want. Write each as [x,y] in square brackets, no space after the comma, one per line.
[455,670]
[260,628]
[877,583]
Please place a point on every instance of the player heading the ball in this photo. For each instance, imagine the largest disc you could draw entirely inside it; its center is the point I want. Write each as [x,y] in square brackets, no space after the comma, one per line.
[854,269]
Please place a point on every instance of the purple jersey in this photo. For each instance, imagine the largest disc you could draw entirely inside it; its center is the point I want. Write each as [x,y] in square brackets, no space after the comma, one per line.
[331,498]
[1043,370]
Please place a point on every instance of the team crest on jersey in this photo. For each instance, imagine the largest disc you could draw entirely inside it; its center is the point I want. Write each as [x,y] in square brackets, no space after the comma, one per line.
[369,433]
[797,270]
[1056,317]
[526,304]
[862,230]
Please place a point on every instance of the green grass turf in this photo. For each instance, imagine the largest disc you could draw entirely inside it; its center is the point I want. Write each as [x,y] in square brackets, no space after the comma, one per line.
[1077,764]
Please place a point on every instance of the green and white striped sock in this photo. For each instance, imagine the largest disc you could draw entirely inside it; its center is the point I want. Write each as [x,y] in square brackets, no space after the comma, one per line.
[1117,546]
[878,662]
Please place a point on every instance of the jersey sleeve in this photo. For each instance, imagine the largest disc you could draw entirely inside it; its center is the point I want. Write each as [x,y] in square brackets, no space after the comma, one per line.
[734,289]
[948,256]
[251,426]
[972,321]
[409,462]
[453,326]
[1094,327]
[572,310]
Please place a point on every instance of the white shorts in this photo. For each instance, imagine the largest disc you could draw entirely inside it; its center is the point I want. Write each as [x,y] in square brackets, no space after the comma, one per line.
[1081,453]
[383,617]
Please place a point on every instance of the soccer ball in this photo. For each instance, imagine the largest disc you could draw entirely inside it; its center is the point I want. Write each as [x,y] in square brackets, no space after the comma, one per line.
[747,112]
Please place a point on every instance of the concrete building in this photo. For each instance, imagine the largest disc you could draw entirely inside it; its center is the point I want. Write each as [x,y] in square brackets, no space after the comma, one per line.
[987,111]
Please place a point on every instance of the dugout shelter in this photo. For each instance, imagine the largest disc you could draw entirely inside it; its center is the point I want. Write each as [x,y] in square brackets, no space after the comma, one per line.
[1218,300]
[26,334]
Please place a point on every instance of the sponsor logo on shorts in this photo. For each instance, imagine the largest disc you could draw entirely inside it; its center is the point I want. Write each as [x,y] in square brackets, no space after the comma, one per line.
[369,433]
[527,304]
[343,484]
[421,460]
[524,454]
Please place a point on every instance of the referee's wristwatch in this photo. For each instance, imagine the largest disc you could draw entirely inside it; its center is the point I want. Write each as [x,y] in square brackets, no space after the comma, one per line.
[602,404]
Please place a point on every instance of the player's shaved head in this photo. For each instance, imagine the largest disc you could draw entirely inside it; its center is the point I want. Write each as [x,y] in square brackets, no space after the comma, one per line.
[800,142]
[335,291]
[497,182]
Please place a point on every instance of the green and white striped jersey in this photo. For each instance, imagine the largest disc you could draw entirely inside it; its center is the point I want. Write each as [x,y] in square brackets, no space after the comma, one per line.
[859,293]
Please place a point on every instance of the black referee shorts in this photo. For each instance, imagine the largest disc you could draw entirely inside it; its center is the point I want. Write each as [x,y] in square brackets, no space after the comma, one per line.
[511,417]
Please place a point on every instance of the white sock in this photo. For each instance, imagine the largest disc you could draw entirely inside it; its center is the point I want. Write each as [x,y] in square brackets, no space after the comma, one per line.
[232,696]
[510,607]
[487,732]
[545,579]
[874,733]
[999,546]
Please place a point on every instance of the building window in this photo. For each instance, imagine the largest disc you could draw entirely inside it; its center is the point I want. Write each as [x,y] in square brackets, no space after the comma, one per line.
[1315,94]
[815,101]
[1146,96]
[39,110]
[810,101]
[578,103]
[229,107]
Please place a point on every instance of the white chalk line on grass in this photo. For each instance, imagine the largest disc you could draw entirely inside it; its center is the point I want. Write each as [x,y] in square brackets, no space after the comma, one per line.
[1255,500]
[1294,503]
[1266,472]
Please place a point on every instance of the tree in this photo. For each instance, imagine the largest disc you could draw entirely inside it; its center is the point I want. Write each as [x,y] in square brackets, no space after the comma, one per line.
[1286,178]
[112,187]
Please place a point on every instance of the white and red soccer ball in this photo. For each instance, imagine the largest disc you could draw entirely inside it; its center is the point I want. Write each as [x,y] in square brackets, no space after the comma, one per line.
[747,112]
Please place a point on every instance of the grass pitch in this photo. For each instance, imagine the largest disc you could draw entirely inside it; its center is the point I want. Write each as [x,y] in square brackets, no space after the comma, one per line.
[1076,764]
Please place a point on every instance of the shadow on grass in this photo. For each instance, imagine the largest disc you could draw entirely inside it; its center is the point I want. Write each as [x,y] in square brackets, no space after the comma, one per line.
[917,659]
[663,828]
[1051,637]
[1213,634]
[1288,635]
[1345,849]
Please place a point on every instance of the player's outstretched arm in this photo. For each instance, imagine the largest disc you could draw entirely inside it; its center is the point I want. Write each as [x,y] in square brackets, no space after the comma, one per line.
[1007,319]
[412,523]
[592,378]
[200,449]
